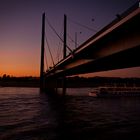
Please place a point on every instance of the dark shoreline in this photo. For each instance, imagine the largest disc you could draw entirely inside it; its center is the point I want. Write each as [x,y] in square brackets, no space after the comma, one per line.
[7,81]
[71,82]
[19,84]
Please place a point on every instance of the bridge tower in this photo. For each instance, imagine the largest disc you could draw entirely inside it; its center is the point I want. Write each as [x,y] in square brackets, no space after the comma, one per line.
[42,53]
[65,51]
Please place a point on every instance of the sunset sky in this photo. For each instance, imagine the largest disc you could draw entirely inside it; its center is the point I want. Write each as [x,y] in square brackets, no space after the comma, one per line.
[20,30]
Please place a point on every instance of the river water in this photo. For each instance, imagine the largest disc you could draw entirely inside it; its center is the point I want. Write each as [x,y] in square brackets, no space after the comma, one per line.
[27,114]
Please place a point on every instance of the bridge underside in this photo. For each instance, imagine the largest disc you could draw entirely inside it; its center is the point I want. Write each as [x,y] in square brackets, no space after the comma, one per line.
[124,59]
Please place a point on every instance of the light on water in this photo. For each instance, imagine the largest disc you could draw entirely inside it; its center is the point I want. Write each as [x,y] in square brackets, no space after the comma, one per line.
[27,114]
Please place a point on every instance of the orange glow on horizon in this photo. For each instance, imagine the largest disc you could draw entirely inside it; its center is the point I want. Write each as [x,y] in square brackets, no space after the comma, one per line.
[19,73]
[19,62]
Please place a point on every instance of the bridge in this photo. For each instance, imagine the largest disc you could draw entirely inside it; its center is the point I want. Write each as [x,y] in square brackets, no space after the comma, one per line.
[116,46]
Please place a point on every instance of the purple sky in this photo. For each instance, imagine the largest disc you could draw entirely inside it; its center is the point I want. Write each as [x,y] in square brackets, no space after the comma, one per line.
[20,28]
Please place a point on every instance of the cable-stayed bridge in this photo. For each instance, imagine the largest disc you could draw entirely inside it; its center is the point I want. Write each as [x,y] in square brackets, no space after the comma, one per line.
[116,46]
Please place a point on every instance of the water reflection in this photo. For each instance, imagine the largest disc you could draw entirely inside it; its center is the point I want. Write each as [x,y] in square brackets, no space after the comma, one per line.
[27,114]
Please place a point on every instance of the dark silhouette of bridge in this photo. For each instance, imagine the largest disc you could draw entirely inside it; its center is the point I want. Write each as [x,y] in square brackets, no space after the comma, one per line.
[116,46]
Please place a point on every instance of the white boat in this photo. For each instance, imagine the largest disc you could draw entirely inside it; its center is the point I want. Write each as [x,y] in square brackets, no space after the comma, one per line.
[115,91]
[94,92]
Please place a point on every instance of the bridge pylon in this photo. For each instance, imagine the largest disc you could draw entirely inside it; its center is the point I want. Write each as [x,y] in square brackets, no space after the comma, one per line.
[42,53]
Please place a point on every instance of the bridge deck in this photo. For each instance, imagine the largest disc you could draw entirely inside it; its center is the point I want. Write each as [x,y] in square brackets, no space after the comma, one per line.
[115,46]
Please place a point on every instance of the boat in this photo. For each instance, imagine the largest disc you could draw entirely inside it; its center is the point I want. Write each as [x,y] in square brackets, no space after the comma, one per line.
[94,92]
[115,91]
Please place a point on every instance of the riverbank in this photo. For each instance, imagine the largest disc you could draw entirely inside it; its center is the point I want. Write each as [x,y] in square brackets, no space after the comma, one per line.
[71,82]
[19,84]
[19,81]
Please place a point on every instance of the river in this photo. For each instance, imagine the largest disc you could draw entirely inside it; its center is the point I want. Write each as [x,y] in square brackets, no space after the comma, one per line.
[27,114]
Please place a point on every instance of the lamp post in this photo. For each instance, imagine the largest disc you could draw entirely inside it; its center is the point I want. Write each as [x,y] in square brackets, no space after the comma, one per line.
[76,39]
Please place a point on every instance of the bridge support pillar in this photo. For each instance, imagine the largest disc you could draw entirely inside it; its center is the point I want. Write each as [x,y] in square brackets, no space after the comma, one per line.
[64,86]
[56,86]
